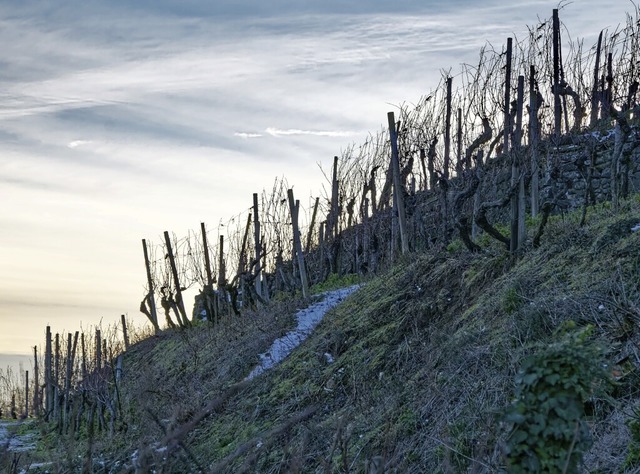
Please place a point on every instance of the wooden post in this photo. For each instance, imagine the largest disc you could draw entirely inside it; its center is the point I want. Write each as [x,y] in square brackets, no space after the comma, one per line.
[477,196]
[67,383]
[56,377]
[608,102]
[557,107]
[84,357]
[323,224]
[460,165]
[176,280]
[533,141]
[222,280]
[125,334]
[48,375]
[207,261]
[298,244]
[515,168]
[332,223]
[522,201]
[398,196]
[507,98]
[36,383]
[595,94]
[312,226]
[447,132]
[98,349]
[151,295]
[257,244]
[26,394]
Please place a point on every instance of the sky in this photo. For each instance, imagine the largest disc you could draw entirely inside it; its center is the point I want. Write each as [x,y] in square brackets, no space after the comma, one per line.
[122,119]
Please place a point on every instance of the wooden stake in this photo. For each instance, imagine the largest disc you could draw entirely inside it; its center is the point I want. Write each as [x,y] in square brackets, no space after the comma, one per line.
[98,349]
[507,98]
[151,295]
[36,383]
[596,94]
[48,375]
[257,245]
[522,200]
[26,394]
[332,222]
[312,226]
[447,132]
[125,335]
[533,141]
[298,244]
[515,168]
[176,280]
[398,196]
[460,165]
[207,261]
[557,106]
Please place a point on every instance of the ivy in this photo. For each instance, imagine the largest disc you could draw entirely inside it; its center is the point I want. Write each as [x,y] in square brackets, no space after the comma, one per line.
[548,431]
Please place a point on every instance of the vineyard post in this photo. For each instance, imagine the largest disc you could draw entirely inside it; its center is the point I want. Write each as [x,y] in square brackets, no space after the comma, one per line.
[477,196]
[332,222]
[460,166]
[48,375]
[221,274]
[608,102]
[298,244]
[207,260]
[596,94]
[398,197]
[151,295]
[67,384]
[125,334]
[533,141]
[522,201]
[176,280]
[507,98]
[323,225]
[56,377]
[447,132]
[242,259]
[257,244]
[312,226]
[26,394]
[557,109]
[36,383]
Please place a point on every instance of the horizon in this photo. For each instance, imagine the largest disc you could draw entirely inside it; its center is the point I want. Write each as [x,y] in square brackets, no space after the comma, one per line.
[100,117]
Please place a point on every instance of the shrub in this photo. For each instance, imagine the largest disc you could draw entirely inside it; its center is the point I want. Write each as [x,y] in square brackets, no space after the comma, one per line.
[548,432]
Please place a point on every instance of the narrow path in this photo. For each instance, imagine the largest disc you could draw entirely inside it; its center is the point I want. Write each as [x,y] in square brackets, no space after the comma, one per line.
[15,443]
[308,319]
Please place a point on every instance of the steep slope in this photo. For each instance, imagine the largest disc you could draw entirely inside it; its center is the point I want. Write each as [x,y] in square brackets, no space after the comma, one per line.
[412,373]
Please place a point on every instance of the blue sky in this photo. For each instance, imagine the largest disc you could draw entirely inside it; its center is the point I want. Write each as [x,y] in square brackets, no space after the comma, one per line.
[122,119]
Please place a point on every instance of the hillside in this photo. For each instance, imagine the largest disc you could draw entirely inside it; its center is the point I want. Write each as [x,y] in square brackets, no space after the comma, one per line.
[414,372]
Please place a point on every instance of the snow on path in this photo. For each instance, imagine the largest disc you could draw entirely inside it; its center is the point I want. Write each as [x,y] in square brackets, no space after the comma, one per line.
[308,319]
[16,443]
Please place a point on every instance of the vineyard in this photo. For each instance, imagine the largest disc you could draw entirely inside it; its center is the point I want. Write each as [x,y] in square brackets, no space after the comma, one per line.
[544,126]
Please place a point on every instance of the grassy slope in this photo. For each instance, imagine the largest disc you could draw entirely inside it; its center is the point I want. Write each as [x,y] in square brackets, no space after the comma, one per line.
[424,363]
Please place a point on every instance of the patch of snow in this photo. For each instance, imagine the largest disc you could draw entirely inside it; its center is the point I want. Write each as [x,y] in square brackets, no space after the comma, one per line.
[328,358]
[635,228]
[308,319]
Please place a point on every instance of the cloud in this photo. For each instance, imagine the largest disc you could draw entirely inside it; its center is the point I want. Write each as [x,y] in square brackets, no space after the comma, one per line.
[276,132]
[247,135]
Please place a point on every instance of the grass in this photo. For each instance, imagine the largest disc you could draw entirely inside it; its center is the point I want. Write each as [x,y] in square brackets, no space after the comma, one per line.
[423,357]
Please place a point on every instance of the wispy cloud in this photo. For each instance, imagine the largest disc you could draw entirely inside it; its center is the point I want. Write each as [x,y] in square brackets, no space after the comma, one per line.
[276,132]
[247,135]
